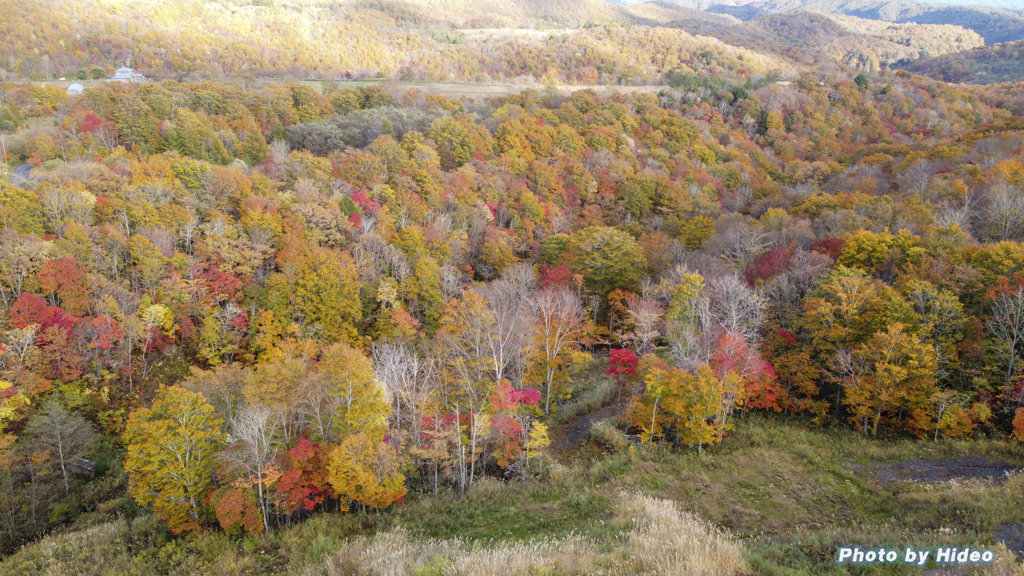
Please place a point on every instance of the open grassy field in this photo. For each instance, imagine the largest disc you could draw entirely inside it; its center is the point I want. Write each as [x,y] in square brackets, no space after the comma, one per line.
[776,497]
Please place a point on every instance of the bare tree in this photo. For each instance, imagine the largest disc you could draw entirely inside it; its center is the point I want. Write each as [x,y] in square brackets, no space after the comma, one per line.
[20,255]
[62,206]
[848,370]
[511,332]
[919,175]
[1006,211]
[647,316]
[67,436]
[279,149]
[21,342]
[738,239]
[736,306]
[255,444]
[1006,324]
[409,378]
[559,318]
[692,342]
[451,282]
[785,293]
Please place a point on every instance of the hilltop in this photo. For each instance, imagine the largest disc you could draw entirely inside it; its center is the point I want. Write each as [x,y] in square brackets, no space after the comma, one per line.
[817,38]
[993,24]
[983,65]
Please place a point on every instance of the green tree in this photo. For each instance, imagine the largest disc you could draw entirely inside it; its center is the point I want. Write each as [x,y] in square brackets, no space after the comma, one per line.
[64,435]
[425,288]
[608,258]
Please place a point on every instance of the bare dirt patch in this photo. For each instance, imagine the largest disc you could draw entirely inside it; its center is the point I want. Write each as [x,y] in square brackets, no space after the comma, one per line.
[1013,536]
[929,471]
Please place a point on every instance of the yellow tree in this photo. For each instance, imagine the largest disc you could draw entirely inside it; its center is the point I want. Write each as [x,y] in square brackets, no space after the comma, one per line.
[690,402]
[282,384]
[327,295]
[367,471]
[537,441]
[171,452]
[843,314]
[350,398]
[900,377]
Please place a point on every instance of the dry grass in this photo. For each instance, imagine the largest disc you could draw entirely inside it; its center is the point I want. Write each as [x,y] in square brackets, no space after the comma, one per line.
[661,539]
[138,547]
[1005,564]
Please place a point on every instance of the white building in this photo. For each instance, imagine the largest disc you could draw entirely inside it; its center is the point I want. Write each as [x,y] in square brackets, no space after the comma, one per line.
[126,75]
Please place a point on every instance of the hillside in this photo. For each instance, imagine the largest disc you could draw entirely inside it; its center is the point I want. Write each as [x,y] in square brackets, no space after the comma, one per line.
[995,25]
[568,42]
[392,326]
[481,288]
[409,41]
[817,38]
[987,65]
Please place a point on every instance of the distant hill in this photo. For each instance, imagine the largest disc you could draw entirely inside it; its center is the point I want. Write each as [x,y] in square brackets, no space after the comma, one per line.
[984,65]
[568,41]
[516,13]
[994,24]
[814,38]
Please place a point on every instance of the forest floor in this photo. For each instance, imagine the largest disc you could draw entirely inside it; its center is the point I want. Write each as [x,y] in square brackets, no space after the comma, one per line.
[787,491]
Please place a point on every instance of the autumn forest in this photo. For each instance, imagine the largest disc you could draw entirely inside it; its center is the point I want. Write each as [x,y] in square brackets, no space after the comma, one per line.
[261,325]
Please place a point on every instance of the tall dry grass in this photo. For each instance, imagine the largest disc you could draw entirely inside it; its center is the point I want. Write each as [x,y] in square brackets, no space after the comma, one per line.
[661,539]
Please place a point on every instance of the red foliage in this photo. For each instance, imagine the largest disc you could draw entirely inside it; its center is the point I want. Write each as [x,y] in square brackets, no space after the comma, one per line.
[506,398]
[437,428]
[1005,285]
[622,364]
[186,329]
[364,202]
[355,220]
[831,246]
[508,433]
[104,333]
[67,279]
[787,339]
[767,265]
[304,486]
[734,356]
[236,510]
[217,286]
[91,122]
[554,275]
[621,361]
[30,309]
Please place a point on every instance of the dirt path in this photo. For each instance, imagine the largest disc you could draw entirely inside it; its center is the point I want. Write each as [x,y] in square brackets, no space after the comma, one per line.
[573,433]
[933,471]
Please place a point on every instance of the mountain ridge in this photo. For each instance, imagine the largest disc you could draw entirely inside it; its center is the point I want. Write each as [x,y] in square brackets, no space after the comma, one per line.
[994,24]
